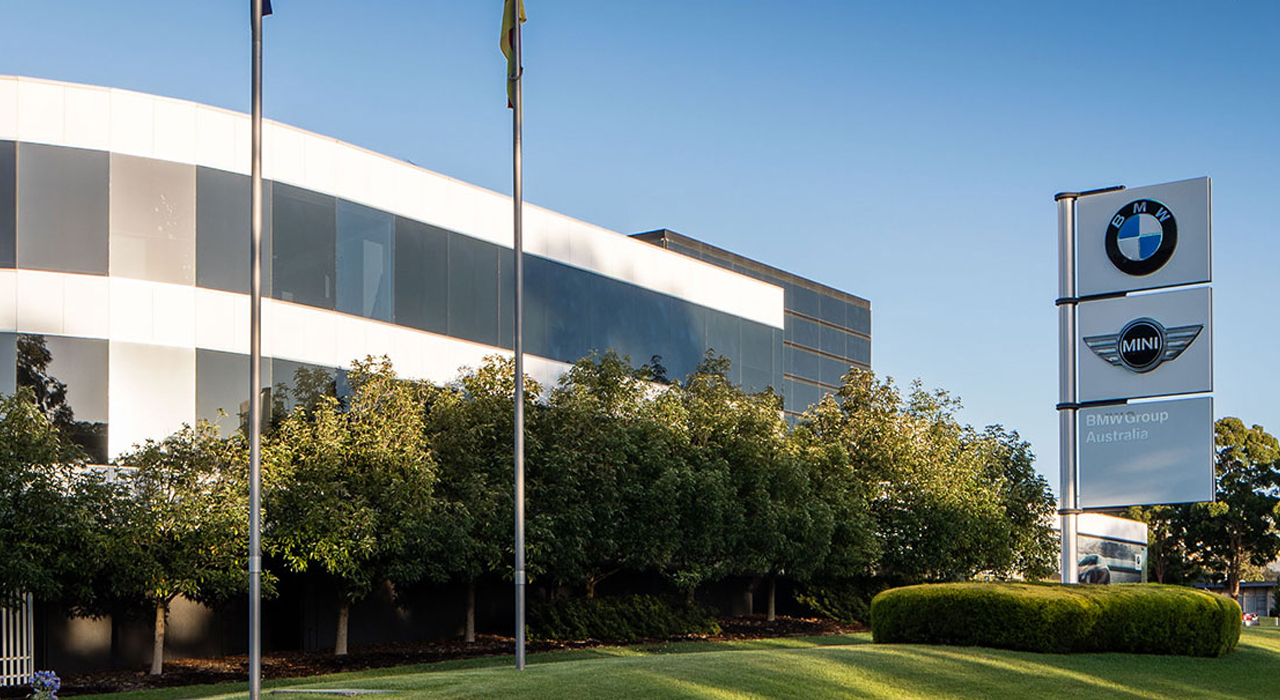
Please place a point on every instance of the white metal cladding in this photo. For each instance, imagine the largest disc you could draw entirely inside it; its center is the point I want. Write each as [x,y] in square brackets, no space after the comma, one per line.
[124,122]
[17,643]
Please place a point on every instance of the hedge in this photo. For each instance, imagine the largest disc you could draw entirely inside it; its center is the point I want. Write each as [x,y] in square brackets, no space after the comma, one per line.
[619,619]
[1133,618]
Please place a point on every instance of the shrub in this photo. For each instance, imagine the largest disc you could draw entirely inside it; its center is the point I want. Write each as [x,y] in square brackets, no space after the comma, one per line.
[846,600]
[619,619]
[1134,618]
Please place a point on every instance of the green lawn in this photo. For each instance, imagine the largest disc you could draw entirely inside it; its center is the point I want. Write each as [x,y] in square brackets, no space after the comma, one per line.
[848,666]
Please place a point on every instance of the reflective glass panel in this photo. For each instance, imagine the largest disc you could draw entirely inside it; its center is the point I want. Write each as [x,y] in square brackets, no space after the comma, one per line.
[832,371]
[803,332]
[623,318]
[222,231]
[507,298]
[8,202]
[303,255]
[832,310]
[724,335]
[365,261]
[421,276]
[69,378]
[62,209]
[688,337]
[539,289]
[802,300]
[568,336]
[8,363]
[832,341]
[153,220]
[801,363]
[859,349]
[222,389]
[756,355]
[473,289]
[152,393]
[859,318]
[804,395]
[300,384]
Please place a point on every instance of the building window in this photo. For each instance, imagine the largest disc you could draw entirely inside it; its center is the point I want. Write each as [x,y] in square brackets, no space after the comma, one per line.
[365,261]
[68,377]
[222,231]
[62,209]
[153,220]
[421,276]
[8,203]
[303,256]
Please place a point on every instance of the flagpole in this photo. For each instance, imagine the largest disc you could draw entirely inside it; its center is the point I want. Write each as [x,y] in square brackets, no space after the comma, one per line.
[517,197]
[255,365]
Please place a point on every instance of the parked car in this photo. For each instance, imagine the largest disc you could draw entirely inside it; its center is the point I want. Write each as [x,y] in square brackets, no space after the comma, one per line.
[1094,570]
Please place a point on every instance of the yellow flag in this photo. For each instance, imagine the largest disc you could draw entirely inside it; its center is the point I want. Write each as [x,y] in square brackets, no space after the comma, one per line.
[507,42]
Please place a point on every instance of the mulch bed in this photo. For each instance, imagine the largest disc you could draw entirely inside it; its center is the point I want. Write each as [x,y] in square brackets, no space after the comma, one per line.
[294,664]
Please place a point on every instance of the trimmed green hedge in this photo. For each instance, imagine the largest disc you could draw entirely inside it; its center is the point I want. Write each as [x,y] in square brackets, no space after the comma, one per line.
[619,619]
[1133,618]
[844,600]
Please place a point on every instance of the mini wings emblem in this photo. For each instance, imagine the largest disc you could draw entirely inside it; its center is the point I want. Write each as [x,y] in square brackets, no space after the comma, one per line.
[1143,344]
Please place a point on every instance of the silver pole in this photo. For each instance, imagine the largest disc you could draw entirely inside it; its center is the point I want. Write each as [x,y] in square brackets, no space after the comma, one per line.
[1068,498]
[255,367]
[517,114]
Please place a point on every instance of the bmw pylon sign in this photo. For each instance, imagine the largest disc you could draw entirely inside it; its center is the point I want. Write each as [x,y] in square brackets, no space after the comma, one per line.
[1143,238]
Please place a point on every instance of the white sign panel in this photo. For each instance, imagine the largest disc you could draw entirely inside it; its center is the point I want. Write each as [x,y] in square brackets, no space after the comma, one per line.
[1146,454]
[1143,238]
[1146,345]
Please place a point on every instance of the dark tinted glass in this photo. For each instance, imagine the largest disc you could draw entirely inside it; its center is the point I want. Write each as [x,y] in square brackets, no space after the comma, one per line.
[8,203]
[832,371]
[688,337]
[832,310]
[756,356]
[8,363]
[832,341]
[507,297]
[69,377]
[422,276]
[365,261]
[724,336]
[568,335]
[539,290]
[859,318]
[613,321]
[802,300]
[62,209]
[804,395]
[222,231]
[801,363]
[222,384]
[803,332]
[303,235]
[473,289]
[859,349]
[300,384]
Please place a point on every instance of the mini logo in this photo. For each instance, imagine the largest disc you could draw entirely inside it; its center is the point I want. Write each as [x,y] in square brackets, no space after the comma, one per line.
[1143,344]
[1141,237]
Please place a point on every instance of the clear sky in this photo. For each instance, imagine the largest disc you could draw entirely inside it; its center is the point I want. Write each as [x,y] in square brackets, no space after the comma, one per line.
[906,152]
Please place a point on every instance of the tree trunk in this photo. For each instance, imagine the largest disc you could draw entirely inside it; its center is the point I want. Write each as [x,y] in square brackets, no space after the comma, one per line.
[591,588]
[470,636]
[688,595]
[344,613]
[157,648]
[773,589]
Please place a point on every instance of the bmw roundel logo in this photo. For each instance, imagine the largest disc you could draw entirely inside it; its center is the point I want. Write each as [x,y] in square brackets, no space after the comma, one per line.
[1141,237]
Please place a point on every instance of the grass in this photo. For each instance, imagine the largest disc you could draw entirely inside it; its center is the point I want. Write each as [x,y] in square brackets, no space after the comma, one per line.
[842,666]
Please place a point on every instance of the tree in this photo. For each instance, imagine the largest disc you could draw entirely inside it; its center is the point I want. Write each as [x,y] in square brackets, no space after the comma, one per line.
[471,427]
[183,528]
[351,492]
[1240,527]
[51,510]
[1168,558]
[1009,467]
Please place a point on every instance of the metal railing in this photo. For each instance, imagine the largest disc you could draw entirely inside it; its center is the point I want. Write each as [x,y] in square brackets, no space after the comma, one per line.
[17,643]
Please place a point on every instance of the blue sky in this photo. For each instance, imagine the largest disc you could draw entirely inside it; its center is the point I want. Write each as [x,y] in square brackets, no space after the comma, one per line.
[905,152]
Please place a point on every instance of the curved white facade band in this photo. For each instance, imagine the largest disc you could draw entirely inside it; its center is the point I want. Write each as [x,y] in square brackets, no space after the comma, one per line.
[123,217]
